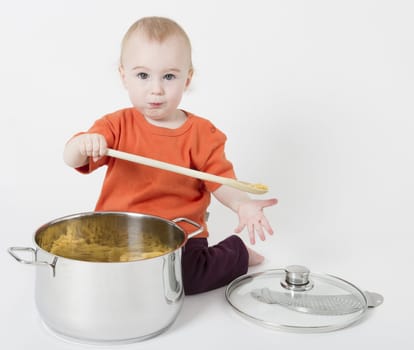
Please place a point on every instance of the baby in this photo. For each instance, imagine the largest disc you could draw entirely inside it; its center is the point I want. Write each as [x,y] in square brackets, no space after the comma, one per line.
[156,69]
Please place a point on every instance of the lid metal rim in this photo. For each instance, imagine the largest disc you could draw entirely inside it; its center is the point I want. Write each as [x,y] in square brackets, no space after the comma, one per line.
[298,329]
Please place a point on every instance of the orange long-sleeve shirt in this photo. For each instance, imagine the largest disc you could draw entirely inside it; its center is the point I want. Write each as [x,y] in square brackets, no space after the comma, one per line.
[131,187]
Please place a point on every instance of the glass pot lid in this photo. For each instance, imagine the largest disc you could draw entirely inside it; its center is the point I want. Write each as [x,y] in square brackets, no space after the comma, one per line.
[294,299]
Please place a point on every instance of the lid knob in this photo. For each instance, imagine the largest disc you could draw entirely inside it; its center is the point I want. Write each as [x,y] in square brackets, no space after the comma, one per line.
[297,278]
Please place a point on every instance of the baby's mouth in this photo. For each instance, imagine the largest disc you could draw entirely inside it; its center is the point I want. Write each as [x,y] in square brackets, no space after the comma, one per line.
[155,104]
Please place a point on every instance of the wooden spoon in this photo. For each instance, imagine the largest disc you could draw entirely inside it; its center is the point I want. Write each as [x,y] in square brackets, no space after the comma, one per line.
[240,185]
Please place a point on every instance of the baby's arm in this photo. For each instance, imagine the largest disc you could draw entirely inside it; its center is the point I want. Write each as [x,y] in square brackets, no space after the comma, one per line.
[78,150]
[250,211]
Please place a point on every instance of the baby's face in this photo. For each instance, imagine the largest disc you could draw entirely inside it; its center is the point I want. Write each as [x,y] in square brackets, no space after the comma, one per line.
[156,74]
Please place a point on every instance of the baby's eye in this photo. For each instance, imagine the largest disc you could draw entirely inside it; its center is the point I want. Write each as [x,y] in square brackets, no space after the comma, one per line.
[169,76]
[143,75]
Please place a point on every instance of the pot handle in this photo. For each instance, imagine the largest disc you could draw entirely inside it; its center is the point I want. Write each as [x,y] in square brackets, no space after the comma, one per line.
[192,234]
[13,252]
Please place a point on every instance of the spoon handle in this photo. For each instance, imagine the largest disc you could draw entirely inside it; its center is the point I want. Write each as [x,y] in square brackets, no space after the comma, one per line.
[240,185]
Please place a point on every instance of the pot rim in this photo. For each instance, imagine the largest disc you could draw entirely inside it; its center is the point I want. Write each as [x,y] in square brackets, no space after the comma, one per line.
[111,212]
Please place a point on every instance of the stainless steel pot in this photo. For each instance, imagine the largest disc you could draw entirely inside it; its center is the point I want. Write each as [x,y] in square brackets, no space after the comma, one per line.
[110,302]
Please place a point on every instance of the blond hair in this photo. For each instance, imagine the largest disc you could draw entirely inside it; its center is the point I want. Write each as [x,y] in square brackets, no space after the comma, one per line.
[158,29]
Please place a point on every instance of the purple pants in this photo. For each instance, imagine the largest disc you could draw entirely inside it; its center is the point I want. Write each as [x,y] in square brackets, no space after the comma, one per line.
[205,268]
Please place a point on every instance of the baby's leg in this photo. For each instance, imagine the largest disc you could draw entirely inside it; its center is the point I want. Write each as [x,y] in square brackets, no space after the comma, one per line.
[205,268]
[254,257]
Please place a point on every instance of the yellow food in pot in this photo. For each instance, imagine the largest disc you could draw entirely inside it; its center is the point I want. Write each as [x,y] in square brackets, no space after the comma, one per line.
[88,243]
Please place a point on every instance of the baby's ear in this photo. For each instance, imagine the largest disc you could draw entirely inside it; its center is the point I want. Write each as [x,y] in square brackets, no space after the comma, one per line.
[122,74]
[189,78]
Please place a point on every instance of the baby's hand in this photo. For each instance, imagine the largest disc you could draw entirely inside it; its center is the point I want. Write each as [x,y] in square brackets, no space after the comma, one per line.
[251,215]
[92,145]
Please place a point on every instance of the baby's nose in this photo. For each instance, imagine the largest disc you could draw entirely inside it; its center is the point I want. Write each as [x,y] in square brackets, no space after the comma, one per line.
[156,87]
